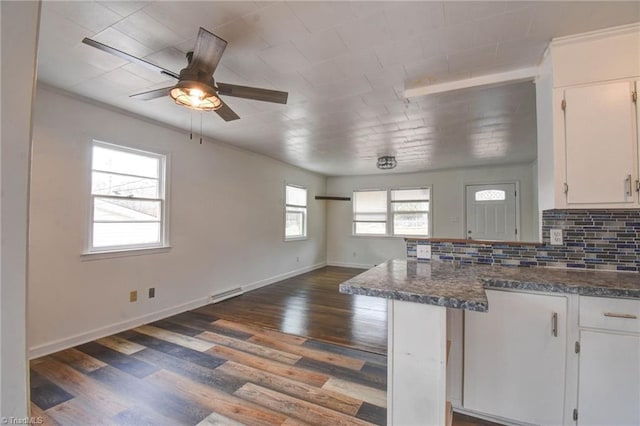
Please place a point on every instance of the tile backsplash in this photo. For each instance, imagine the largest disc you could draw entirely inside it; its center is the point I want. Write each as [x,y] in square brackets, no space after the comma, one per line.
[593,239]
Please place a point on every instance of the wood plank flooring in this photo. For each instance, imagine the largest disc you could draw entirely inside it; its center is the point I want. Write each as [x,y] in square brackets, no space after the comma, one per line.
[169,373]
[295,352]
[310,305]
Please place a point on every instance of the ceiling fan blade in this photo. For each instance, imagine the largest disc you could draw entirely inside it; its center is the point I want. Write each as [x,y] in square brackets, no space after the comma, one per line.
[252,93]
[152,94]
[208,51]
[131,58]
[227,113]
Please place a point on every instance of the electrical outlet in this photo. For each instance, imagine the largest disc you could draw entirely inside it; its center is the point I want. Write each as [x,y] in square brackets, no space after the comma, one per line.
[423,251]
[354,254]
[152,292]
[133,296]
[297,258]
[556,237]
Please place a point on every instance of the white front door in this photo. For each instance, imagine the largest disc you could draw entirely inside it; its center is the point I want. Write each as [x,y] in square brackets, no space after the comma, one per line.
[491,212]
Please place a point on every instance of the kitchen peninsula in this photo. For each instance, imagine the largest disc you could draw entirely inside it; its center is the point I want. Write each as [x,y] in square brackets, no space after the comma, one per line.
[419,294]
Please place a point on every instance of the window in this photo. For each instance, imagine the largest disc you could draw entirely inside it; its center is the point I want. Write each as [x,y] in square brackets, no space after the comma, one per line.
[295,213]
[370,212]
[127,199]
[408,209]
[490,195]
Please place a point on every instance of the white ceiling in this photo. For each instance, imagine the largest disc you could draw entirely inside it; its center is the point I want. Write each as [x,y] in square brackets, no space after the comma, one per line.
[345,66]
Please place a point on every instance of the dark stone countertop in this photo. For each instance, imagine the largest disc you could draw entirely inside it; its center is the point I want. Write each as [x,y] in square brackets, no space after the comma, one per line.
[463,286]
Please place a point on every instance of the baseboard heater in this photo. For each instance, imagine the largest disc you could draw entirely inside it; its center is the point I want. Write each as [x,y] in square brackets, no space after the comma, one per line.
[226,295]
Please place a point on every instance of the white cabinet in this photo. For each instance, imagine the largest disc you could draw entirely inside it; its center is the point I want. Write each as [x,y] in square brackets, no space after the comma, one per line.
[600,144]
[609,362]
[609,380]
[514,362]
[588,152]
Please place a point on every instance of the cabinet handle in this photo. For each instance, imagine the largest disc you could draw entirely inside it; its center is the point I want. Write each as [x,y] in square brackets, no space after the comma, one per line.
[627,185]
[554,324]
[615,315]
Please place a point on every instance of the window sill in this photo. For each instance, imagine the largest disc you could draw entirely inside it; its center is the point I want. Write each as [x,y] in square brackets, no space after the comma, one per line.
[373,236]
[97,255]
[287,240]
[387,236]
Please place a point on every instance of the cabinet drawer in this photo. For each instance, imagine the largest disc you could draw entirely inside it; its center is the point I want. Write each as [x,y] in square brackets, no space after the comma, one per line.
[610,314]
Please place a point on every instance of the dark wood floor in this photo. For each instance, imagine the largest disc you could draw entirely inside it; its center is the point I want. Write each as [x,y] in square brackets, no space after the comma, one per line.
[310,305]
[232,363]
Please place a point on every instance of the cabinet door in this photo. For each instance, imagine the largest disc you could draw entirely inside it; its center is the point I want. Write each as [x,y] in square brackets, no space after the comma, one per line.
[514,361]
[600,143]
[609,379]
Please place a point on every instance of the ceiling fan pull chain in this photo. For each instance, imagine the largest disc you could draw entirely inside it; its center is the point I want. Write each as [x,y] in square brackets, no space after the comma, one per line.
[190,125]
[201,128]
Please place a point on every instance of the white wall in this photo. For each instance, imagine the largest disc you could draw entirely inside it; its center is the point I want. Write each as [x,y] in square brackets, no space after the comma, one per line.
[544,114]
[19,22]
[226,225]
[447,209]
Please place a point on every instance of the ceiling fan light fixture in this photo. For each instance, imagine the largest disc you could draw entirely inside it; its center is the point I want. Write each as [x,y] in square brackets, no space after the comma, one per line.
[195,95]
[387,162]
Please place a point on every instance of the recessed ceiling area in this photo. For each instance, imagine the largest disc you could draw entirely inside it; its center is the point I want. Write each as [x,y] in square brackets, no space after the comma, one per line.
[345,65]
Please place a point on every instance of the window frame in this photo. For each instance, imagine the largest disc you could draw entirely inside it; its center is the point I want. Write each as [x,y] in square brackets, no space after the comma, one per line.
[163,199]
[305,213]
[390,231]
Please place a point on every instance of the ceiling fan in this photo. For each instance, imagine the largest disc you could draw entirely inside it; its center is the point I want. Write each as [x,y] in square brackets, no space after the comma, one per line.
[196,89]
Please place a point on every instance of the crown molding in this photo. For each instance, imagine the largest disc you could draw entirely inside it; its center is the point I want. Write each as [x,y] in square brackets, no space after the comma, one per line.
[633,28]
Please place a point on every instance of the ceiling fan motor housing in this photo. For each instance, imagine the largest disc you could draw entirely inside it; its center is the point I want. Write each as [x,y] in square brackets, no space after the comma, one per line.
[196,90]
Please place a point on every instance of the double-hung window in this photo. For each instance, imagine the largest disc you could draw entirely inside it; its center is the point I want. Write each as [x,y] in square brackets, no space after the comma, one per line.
[128,199]
[408,210]
[370,212]
[295,213]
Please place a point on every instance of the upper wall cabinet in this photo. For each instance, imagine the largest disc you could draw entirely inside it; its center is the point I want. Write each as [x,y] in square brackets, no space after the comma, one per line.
[600,144]
[588,121]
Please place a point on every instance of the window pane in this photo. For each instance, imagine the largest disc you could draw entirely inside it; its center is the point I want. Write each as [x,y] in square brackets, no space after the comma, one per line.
[109,209]
[410,207]
[410,194]
[490,195]
[411,223]
[370,228]
[113,160]
[296,196]
[294,224]
[370,201]
[125,186]
[121,234]
[379,217]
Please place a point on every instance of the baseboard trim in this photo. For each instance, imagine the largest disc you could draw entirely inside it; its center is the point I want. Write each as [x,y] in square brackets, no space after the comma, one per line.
[494,419]
[228,294]
[350,265]
[78,339]
[256,285]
